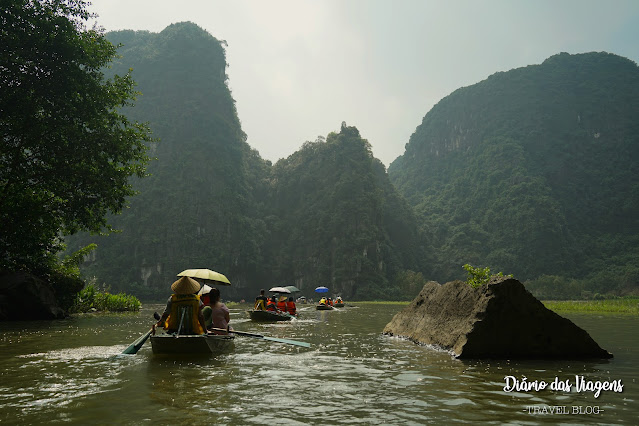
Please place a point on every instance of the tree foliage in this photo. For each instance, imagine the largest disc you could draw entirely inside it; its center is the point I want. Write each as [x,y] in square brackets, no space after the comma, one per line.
[67,151]
[478,276]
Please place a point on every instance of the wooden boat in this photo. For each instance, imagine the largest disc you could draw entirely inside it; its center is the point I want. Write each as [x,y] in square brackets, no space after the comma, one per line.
[260,315]
[192,344]
[324,307]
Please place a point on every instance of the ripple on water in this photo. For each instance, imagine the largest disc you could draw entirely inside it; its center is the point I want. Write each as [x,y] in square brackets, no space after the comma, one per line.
[351,375]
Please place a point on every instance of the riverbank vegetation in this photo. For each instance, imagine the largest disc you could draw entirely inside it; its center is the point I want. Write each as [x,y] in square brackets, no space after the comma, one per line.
[89,299]
[625,305]
[67,149]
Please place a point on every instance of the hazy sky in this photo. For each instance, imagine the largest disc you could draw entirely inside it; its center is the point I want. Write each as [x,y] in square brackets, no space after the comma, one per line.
[298,68]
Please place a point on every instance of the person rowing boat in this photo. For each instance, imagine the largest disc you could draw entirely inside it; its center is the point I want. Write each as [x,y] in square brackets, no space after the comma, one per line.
[183,311]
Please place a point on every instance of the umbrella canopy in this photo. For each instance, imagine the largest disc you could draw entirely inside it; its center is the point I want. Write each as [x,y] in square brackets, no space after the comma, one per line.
[321,290]
[280,290]
[205,276]
[292,289]
[204,290]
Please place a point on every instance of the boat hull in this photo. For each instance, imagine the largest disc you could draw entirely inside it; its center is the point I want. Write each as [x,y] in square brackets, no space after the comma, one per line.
[192,344]
[339,305]
[268,316]
[324,308]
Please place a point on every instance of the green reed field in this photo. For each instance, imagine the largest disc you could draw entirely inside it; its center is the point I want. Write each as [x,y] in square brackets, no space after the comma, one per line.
[617,306]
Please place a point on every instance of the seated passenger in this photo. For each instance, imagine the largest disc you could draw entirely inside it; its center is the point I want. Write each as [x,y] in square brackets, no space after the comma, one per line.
[281,304]
[216,315]
[290,306]
[271,305]
[260,301]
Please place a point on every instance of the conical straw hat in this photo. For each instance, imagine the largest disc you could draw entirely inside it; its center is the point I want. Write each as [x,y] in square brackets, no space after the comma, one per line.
[185,285]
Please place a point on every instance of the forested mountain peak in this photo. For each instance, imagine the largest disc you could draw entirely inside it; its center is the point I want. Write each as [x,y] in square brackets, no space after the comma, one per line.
[564,88]
[532,170]
[202,162]
[185,42]
[339,222]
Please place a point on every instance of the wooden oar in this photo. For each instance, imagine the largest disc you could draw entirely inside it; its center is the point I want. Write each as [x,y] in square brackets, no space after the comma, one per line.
[260,336]
[181,321]
[135,346]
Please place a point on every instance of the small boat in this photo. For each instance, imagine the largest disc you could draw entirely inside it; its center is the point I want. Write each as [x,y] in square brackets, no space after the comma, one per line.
[192,343]
[322,307]
[260,315]
[338,304]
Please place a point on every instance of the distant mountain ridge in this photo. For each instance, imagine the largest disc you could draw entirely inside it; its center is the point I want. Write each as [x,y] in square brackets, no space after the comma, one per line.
[534,172]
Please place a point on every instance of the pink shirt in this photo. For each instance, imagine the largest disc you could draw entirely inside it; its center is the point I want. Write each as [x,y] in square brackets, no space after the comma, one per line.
[220,316]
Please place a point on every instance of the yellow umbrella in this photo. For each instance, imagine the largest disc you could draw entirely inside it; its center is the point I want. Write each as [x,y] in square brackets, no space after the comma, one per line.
[205,276]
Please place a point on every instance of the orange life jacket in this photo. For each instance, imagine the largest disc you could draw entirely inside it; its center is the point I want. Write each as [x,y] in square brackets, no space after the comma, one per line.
[290,307]
[281,305]
[270,306]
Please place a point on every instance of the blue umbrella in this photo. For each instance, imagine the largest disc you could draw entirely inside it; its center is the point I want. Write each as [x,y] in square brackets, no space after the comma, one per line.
[321,290]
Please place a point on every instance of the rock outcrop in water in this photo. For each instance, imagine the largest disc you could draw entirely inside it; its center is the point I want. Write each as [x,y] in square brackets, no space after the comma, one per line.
[498,320]
[26,297]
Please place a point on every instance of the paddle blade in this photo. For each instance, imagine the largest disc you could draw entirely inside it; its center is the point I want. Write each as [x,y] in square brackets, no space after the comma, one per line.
[135,346]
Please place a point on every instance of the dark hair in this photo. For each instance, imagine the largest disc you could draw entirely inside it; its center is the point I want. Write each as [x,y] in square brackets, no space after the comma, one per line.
[214,296]
[262,291]
[290,299]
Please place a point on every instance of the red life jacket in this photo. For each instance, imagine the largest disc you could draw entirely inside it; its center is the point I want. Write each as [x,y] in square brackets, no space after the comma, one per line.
[270,306]
[281,305]
[290,307]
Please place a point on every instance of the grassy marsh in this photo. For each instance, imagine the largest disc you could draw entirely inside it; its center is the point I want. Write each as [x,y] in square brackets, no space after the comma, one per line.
[618,306]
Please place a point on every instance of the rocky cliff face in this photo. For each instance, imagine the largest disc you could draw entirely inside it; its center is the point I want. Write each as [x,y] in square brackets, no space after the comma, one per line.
[498,320]
[26,297]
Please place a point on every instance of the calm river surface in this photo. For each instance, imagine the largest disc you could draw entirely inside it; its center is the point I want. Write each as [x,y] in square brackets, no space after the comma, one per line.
[71,371]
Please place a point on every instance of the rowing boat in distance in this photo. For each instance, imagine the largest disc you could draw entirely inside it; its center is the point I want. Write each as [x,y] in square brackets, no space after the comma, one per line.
[260,315]
[192,344]
[323,307]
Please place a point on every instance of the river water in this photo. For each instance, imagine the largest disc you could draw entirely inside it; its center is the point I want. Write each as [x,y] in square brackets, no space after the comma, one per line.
[71,371]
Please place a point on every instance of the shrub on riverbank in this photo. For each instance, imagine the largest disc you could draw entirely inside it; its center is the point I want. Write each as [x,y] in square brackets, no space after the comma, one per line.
[478,277]
[620,305]
[89,299]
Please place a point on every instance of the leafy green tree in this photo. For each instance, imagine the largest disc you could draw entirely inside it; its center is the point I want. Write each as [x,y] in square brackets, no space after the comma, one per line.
[479,276]
[67,152]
